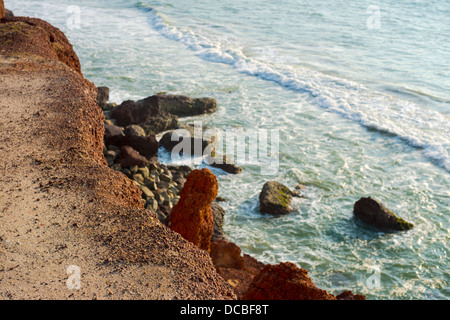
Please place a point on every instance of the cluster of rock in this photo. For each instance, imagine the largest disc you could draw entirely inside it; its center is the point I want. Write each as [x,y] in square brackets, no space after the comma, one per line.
[132,148]
[275,198]
[183,198]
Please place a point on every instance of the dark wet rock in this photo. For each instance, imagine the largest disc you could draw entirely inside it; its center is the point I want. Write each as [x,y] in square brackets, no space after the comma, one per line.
[129,157]
[144,114]
[275,198]
[218,216]
[348,295]
[147,146]
[225,254]
[182,169]
[376,214]
[2,9]
[102,96]
[134,130]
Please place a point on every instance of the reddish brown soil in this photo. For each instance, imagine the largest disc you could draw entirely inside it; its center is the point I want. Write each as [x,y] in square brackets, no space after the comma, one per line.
[60,204]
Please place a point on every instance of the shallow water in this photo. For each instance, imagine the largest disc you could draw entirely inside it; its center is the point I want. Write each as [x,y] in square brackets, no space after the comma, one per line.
[359,111]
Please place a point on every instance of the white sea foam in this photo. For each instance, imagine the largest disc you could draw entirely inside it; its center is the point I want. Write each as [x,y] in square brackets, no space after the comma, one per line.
[419,127]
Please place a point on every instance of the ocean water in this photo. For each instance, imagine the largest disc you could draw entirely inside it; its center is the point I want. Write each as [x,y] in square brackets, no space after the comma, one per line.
[357,91]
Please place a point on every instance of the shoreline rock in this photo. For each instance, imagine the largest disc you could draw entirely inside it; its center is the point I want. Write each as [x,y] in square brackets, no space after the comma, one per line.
[284,281]
[183,106]
[37,37]
[192,216]
[275,198]
[2,10]
[376,214]
[146,115]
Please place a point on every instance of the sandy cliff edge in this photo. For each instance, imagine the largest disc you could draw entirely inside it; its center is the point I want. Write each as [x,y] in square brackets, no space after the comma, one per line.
[60,204]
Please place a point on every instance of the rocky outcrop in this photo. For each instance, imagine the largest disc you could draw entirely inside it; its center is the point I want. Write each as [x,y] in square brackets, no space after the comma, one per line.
[145,114]
[142,147]
[134,130]
[348,295]
[376,214]
[275,198]
[102,96]
[129,157]
[184,106]
[183,142]
[189,140]
[285,281]
[19,35]
[192,216]
[113,134]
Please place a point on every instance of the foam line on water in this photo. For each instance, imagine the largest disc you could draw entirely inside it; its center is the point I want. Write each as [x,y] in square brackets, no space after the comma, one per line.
[420,127]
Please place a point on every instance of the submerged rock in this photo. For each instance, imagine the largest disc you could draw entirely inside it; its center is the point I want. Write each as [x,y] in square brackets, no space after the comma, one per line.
[192,216]
[275,198]
[374,213]
[284,281]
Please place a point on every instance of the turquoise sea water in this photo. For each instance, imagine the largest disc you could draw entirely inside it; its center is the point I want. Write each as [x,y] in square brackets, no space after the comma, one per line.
[359,92]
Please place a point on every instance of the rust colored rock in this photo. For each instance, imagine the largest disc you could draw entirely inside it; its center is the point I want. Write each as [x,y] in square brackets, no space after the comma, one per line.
[37,37]
[240,278]
[284,281]
[192,216]
[226,255]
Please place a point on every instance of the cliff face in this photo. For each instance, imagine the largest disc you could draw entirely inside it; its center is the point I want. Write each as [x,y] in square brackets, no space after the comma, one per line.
[61,207]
